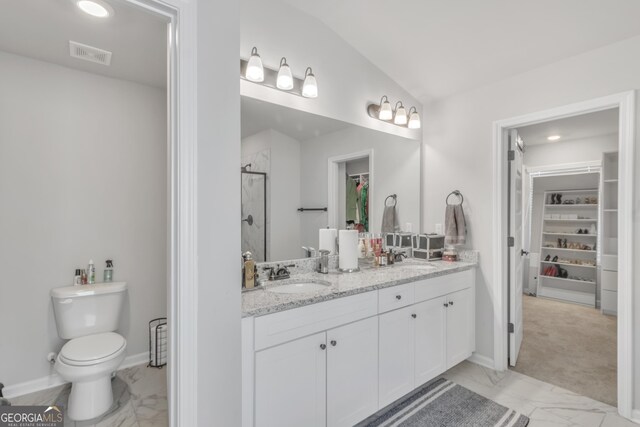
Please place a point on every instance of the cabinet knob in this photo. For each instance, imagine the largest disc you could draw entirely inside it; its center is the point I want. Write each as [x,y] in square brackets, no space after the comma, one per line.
[334,342]
[446,305]
[450,302]
[323,346]
[414,315]
[398,296]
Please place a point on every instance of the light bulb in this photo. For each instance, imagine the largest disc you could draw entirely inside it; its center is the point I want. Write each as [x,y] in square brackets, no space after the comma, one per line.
[95,8]
[414,119]
[310,86]
[385,112]
[401,114]
[553,137]
[255,70]
[285,78]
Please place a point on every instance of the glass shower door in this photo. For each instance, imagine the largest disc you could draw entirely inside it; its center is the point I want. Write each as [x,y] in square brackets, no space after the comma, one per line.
[254,214]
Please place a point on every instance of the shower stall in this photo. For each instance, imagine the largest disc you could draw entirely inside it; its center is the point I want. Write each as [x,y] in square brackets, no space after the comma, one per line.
[254,213]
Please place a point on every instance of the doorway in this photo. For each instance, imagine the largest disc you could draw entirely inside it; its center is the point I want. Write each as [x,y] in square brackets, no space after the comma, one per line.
[504,287]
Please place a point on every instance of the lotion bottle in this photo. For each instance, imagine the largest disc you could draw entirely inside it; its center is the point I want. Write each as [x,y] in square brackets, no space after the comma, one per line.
[91,272]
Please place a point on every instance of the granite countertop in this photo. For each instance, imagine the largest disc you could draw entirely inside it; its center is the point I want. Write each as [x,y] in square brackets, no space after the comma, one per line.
[262,301]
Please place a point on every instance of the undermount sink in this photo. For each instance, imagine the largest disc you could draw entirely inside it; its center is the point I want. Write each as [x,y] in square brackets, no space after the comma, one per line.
[298,288]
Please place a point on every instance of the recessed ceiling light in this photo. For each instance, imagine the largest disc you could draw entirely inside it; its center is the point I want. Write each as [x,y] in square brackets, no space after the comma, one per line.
[95,8]
[553,137]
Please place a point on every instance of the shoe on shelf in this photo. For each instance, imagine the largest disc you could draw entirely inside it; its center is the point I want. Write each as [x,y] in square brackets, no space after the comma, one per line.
[548,258]
[555,259]
[580,231]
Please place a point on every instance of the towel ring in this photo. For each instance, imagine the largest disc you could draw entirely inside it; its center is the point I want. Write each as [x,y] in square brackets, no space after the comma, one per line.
[394,197]
[455,193]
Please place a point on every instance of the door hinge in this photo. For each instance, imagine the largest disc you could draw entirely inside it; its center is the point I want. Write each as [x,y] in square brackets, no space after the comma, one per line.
[511,242]
[512,155]
[511,328]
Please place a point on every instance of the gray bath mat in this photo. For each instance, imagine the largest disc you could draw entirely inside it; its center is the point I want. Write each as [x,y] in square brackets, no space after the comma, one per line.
[443,403]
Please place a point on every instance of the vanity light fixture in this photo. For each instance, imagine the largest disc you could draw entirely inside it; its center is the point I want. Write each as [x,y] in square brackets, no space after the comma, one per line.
[400,118]
[310,86]
[553,138]
[255,70]
[385,112]
[414,119]
[96,8]
[285,78]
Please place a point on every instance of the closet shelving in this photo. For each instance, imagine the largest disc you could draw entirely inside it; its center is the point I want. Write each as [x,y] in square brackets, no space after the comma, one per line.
[570,233]
[609,271]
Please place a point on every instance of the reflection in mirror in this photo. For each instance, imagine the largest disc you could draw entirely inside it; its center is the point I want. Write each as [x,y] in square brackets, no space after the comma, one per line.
[302,172]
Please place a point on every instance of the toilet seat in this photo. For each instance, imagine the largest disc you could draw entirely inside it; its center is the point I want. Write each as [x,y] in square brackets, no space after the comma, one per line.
[92,349]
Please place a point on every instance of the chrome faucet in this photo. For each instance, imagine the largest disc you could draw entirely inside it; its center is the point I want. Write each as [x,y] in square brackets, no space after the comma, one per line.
[323,261]
[278,272]
[309,252]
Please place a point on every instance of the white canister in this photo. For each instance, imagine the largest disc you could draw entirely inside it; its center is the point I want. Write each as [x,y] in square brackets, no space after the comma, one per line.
[348,256]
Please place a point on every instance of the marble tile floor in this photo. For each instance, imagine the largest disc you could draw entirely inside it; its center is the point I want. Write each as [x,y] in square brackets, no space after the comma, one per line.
[139,394]
[545,404]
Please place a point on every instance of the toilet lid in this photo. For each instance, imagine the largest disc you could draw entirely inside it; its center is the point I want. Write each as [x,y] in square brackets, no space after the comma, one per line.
[92,347]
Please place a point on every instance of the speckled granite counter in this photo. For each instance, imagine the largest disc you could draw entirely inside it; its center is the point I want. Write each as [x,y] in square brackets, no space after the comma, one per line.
[262,301]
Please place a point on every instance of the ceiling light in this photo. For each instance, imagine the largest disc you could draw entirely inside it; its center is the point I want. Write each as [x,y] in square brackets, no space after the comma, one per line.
[255,70]
[385,112]
[400,117]
[285,78]
[95,8]
[310,85]
[414,119]
[553,137]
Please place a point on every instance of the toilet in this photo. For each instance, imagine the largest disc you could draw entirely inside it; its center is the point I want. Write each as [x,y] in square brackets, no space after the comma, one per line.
[88,316]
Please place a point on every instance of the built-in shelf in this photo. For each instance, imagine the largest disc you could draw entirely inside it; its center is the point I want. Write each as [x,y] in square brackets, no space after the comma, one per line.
[611,181]
[590,205]
[610,210]
[567,264]
[568,280]
[569,234]
[573,220]
[569,250]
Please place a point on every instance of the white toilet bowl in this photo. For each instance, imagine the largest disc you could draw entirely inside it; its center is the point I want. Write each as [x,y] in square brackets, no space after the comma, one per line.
[87,362]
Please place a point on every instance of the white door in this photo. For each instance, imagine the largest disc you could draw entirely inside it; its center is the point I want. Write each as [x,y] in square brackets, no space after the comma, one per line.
[516,253]
[291,384]
[352,373]
[397,343]
[430,340]
[460,324]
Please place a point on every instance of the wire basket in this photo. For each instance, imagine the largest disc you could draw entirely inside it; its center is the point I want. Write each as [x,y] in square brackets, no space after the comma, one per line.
[158,342]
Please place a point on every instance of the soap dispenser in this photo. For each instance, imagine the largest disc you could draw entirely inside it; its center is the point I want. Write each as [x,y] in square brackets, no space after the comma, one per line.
[248,271]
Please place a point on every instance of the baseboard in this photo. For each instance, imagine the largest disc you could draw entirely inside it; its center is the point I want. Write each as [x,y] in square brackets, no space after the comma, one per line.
[54,380]
[635,416]
[481,360]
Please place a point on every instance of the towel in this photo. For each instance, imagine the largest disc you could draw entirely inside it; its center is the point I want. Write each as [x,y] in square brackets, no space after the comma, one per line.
[454,225]
[390,222]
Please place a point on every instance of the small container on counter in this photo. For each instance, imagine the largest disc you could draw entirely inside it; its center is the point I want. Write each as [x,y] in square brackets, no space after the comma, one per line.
[108,272]
[77,279]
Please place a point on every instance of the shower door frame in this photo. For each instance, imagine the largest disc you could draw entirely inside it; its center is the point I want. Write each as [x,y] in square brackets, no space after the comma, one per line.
[264,183]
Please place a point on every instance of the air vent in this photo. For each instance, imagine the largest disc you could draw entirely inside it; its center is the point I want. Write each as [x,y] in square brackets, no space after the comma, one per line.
[89,53]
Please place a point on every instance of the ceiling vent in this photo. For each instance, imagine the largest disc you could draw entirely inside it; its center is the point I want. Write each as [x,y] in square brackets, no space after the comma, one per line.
[89,53]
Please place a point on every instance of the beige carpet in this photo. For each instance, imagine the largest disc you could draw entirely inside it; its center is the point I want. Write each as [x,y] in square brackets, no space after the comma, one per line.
[570,346]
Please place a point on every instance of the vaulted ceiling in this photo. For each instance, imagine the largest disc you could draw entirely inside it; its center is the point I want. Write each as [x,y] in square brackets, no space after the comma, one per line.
[436,48]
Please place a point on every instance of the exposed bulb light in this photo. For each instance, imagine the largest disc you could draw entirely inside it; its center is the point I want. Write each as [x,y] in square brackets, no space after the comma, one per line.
[400,117]
[553,137]
[255,70]
[285,78]
[310,85]
[414,119]
[385,112]
[95,8]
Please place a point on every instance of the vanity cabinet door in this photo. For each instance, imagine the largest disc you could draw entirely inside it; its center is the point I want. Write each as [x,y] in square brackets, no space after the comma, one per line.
[460,326]
[396,351]
[290,383]
[352,372]
[430,339]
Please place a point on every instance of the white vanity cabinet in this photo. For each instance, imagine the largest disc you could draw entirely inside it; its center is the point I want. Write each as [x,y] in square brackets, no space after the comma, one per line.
[334,363]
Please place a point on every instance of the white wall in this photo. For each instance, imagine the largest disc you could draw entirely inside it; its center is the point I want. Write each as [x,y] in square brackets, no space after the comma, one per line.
[347,82]
[283,191]
[218,154]
[82,175]
[457,145]
[396,169]
[581,150]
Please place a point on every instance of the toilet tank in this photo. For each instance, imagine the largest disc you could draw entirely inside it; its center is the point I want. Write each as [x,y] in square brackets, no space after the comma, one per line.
[88,309]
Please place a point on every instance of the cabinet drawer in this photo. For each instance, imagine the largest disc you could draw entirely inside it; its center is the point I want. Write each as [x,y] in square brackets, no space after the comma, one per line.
[609,302]
[442,285]
[609,280]
[610,262]
[273,329]
[395,297]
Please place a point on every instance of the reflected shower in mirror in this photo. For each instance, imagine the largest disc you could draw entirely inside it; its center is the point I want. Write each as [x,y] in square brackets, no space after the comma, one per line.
[301,172]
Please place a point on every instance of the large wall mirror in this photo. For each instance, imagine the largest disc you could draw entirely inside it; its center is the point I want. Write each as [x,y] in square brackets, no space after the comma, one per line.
[301,172]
